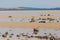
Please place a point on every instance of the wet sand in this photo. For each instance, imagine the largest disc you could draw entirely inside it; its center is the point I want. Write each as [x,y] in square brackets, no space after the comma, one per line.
[29,25]
[29,14]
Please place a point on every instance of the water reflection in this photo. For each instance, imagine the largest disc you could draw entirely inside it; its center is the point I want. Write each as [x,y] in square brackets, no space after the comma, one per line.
[19,33]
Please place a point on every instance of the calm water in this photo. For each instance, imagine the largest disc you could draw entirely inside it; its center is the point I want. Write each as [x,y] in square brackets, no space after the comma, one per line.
[30,13]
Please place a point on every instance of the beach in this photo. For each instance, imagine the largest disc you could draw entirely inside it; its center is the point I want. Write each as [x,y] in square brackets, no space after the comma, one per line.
[16,15]
[46,21]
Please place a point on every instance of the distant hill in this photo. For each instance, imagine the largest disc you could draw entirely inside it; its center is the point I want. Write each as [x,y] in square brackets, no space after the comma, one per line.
[30,8]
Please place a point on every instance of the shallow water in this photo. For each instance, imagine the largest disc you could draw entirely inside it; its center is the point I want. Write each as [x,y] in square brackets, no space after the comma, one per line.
[29,31]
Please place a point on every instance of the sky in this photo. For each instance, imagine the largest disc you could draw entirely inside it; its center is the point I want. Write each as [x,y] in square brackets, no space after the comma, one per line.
[29,3]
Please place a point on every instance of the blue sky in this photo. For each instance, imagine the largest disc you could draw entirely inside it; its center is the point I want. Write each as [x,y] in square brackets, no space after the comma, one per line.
[29,3]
